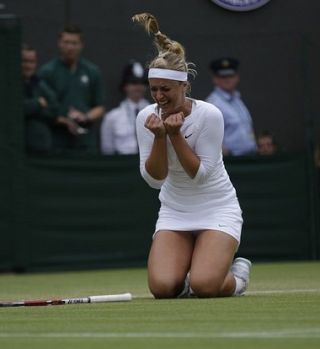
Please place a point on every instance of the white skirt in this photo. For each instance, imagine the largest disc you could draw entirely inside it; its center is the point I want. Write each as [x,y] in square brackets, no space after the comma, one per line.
[227,219]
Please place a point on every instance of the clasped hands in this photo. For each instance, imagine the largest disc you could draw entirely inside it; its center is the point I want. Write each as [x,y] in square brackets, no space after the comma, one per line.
[78,116]
[73,122]
[170,125]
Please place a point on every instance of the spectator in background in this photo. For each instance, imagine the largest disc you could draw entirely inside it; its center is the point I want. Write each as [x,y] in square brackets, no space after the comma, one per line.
[78,85]
[266,144]
[239,136]
[39,104]
[118,129]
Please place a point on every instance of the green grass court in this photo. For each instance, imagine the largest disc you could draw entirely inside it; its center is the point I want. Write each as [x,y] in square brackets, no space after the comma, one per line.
[281,310]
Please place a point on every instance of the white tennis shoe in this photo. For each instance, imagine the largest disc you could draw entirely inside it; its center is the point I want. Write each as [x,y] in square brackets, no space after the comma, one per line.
[241,270]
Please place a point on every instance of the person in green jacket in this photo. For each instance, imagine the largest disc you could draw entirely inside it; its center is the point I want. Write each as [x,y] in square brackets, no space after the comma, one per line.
[78,85]
[39,104]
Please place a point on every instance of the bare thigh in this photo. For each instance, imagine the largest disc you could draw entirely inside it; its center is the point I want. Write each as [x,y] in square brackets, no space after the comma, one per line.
[212,257]
[169,262]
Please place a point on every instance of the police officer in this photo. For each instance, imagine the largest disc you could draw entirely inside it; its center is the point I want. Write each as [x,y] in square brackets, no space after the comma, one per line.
[78,85]
[118,128]
[239,138]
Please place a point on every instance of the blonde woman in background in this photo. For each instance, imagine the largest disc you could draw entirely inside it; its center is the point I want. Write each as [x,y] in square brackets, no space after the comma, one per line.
[199,226]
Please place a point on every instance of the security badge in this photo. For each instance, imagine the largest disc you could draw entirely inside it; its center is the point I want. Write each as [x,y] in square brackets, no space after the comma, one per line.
[137,70]
[84,79]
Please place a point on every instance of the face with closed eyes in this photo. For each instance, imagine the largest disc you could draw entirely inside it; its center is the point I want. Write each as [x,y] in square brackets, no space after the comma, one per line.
[170,95]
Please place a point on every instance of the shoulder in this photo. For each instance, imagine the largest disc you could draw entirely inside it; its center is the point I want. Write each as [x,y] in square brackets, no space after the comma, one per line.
[90,67]
[43,86]
[113,114]
[217,97]
[145,112]
[48,67]
[211,96]
[144,103]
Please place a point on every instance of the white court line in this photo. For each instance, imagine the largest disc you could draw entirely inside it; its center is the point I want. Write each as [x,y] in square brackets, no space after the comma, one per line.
[258,292]
[290,333]
[307,290]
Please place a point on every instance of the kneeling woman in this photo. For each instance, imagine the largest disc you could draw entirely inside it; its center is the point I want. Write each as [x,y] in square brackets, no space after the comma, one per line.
[180,144]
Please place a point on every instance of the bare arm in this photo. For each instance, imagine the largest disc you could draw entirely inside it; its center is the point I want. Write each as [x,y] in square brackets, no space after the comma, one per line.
[91,116]
[95,113]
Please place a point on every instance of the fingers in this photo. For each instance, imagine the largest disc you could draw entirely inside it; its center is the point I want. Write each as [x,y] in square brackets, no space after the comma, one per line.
[155,125]
[175,118]
[151,119]
[43,102]
[170,125]
[174,122]
[72,127]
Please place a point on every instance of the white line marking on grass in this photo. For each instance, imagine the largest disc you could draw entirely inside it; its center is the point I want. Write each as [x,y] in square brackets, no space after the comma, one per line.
[273,334]
[307,290]
[258,292]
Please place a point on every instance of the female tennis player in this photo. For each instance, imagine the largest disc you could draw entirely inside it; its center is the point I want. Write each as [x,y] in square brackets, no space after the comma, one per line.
[199,226]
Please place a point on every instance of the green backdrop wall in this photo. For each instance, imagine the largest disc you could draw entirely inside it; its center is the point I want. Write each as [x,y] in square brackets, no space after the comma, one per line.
[97,212]
[11,138]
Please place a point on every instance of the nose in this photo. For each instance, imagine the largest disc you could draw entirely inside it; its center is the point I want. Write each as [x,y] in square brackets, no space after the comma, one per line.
[158,95]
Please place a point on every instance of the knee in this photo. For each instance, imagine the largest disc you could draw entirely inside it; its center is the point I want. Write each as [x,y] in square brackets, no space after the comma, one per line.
[165,288]
[206,287]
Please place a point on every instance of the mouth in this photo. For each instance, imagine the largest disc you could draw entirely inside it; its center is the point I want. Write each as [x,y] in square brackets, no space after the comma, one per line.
[163,104]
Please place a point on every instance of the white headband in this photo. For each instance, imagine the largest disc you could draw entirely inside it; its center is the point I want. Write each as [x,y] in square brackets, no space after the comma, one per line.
[168,74]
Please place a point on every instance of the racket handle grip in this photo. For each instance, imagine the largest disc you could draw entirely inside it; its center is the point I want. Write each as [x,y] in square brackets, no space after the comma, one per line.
[111,298]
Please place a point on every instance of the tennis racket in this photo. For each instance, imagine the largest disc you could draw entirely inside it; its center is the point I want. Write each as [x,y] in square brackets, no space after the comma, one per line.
[124,297]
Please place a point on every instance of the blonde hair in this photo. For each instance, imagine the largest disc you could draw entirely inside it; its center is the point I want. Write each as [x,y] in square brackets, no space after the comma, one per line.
[171,54]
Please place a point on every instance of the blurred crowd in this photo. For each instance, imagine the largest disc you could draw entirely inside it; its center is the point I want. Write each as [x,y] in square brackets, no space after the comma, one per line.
[64,104]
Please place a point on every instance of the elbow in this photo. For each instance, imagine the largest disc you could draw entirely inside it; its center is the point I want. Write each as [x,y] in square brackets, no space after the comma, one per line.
[152,182]
[202,176]
[154,185]
[200,180]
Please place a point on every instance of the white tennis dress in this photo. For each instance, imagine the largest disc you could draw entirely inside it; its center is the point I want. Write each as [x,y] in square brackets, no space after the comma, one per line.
[207,201]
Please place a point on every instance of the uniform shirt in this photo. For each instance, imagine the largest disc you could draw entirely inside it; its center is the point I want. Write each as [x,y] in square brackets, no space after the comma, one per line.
[211,187]
[118,128]
[80,89]
[238,131]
